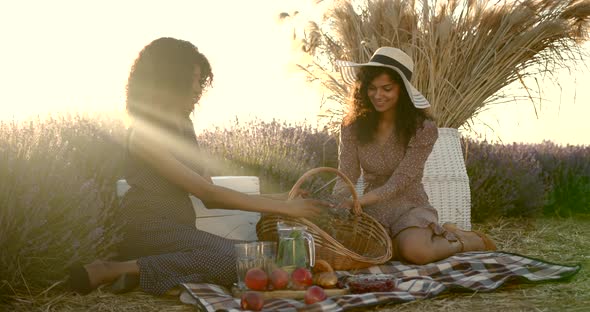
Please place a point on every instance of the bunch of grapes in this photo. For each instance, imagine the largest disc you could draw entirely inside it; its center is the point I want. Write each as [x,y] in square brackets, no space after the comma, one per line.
[323,186]
[330,218]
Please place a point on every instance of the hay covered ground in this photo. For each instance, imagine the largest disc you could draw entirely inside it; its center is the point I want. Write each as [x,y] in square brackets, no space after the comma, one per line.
[564,241]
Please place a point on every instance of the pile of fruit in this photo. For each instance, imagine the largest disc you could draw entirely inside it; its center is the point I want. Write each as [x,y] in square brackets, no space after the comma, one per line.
[314,283]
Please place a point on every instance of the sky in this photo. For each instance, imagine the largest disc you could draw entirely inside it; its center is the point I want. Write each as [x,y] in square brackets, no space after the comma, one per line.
[59,56]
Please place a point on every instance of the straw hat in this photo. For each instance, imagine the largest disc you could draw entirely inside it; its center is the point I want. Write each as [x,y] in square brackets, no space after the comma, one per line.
[392,58]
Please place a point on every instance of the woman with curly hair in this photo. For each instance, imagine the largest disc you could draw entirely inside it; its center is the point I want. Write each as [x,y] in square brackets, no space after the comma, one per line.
[161,247]
[388,135]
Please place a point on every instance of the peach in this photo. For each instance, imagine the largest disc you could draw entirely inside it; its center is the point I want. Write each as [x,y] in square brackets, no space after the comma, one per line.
[315,294]
[256,279]
[252,300]
[301,278]
[279,279]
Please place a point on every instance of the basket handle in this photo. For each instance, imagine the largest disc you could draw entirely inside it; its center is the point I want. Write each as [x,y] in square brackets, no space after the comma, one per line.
[356,207]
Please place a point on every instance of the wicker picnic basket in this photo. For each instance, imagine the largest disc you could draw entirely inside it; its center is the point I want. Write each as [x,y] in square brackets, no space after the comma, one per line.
[365,243]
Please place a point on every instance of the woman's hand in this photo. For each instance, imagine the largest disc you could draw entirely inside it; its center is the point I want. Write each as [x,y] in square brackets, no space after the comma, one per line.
[305,208]
[345,204]
[300,193]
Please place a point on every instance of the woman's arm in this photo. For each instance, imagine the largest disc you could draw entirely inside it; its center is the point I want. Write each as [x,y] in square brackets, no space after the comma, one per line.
[410,168]
[275,196]
[301,193]
[155,150]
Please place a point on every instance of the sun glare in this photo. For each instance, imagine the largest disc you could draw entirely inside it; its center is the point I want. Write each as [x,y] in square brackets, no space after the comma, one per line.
[72,56]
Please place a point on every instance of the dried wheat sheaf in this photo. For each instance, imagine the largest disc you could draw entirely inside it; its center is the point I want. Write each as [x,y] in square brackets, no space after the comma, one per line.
[465,52]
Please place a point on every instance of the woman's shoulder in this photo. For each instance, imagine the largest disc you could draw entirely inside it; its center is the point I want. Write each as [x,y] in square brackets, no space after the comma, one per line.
[346,128]
[428,125]
[426,133]
[143,138]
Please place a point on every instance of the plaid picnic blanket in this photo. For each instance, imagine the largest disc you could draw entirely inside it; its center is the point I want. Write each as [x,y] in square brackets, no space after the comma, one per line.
[470,271]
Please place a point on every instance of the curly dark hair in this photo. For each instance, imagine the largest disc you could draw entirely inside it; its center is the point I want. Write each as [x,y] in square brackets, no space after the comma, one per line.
[162,77]
[363,117]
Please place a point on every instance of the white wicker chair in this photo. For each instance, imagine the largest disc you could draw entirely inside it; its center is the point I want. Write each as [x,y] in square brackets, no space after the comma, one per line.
[445,180]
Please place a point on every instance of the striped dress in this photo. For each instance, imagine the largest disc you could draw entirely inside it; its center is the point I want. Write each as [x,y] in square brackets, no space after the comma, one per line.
[158,226]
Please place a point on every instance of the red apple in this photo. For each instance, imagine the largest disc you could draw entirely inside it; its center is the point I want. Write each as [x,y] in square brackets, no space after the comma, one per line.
[279,279]
[256,279]
[252,300]
[301,278]
[315,294]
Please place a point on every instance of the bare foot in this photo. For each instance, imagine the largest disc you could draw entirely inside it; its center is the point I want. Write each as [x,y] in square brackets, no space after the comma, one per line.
[469,240]
[101,272]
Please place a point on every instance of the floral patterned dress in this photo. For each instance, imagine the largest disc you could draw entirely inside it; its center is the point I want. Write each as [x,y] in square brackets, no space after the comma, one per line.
[394,172]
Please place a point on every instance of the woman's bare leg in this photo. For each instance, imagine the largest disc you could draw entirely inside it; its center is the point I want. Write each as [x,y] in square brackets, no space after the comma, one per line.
[421,246]
[102,272]
[472,240]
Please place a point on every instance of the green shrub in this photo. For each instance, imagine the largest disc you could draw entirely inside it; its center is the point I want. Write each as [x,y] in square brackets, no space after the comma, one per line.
[526,180]
[505,181]
[56,195]
[567,176]
[278,153]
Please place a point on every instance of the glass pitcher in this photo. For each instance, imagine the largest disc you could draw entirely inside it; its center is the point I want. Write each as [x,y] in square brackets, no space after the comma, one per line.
[292,251]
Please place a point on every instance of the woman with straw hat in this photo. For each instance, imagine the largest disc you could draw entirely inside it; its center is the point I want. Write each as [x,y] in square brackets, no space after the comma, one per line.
[161,247]
[388,135]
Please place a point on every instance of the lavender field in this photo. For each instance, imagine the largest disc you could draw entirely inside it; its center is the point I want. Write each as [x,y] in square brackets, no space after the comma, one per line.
[58,181]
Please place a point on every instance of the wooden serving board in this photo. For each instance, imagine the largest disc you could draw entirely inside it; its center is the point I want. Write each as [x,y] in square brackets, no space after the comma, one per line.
[290,294]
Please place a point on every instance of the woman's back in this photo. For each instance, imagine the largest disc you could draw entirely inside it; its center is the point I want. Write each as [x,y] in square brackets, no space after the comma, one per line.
[152,195]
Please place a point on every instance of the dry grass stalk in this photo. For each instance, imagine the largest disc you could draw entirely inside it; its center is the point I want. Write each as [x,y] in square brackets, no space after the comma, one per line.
[465,51]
